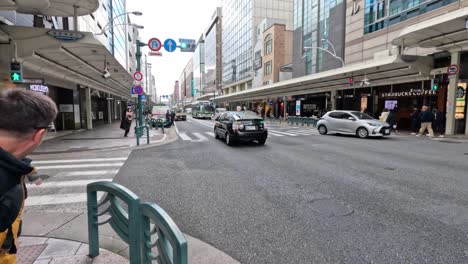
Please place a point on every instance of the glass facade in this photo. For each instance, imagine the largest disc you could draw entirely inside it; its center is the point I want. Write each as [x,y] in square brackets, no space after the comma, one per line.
[198,61]
[210,59]
[380,14]
[313,16]
[117,38]
[237,40]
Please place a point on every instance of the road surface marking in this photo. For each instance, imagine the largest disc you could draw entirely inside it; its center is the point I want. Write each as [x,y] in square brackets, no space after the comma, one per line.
[59,199]
[284,133]
[76,160]
[88,173]
[200,136]
[274,134]
[205,124]
[211,134]
[79,166]
[183,136]
[61,184]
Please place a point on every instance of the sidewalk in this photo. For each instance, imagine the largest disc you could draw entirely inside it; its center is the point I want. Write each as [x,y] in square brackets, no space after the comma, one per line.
[103,137]
[61,237]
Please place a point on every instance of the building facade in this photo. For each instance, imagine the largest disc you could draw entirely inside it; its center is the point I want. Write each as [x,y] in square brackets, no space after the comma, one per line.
[198,64]
[240,20]
[213,54]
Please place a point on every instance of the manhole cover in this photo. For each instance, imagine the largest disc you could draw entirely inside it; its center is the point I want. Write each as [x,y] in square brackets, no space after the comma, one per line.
[390,169]
[330,207]
[28,254]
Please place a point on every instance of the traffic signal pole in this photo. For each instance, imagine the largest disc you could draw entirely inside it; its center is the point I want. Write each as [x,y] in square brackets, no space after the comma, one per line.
[138,59]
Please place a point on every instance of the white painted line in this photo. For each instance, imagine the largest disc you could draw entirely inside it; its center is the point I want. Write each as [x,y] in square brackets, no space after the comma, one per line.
[211,134]
[59,199]
[61,184]
[284,133]
[79,166]
[184,136]
[273,134]
[200,136]
[77,160]
[88,173]
[301,132]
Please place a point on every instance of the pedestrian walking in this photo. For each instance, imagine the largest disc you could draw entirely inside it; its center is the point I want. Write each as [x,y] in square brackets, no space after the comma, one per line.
[172,117]
[391,120]
[439,122]
[415,120]
[426,117]
[238,108]
[25,118]
[127,121]
[383,117]
[169,117]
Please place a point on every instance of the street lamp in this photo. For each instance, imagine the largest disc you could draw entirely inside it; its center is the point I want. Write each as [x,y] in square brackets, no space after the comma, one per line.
[136,13]
[327,51]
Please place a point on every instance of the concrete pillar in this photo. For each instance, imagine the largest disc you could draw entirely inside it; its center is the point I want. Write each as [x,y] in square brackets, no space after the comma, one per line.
[333,99]
[89,114]
[109,109]
[452,96]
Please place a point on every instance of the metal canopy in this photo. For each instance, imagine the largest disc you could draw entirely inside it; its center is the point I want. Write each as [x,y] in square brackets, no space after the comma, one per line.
[383,71]
[441,32]
[60,8]
[81,61]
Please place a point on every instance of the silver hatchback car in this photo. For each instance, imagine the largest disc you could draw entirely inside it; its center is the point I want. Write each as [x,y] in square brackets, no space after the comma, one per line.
[352,123]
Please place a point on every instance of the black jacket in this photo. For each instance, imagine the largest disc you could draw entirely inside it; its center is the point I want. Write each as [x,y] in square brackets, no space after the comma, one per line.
[426,116]
[12,195]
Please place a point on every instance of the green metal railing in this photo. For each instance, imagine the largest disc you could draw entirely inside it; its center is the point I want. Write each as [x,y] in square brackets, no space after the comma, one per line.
[137,226]
[140,132]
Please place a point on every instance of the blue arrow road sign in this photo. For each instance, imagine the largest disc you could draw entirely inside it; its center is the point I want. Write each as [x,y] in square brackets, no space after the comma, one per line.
[170,45]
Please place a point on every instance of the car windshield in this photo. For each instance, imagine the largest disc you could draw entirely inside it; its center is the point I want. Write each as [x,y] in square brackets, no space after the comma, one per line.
[245,115]
[361,115]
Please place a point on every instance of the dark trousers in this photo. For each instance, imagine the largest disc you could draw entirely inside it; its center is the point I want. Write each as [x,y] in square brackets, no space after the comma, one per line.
[126,132]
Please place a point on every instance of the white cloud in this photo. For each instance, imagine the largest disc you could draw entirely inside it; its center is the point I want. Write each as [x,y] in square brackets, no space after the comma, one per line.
[171,19]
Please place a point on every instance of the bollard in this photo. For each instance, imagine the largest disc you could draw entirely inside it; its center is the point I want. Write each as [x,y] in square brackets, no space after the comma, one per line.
[304,121]
[309,121]
[297,120]
[290,120]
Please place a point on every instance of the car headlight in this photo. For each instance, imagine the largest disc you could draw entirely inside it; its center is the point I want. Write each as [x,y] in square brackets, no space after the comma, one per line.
[372,124]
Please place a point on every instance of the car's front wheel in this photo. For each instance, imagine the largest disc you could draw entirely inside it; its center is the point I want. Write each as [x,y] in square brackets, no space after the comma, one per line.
[322,130]
[362,132]
[216,134]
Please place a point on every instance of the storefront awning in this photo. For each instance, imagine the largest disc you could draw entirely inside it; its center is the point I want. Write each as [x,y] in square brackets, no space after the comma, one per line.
[72,56]
[380,71]
[60,8]
[441,32]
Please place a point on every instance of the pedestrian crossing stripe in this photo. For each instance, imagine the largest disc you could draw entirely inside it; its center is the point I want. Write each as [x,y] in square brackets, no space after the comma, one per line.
[271,133]
[77,160]
[69,166]
[62,184]
[56,199]
[284,133]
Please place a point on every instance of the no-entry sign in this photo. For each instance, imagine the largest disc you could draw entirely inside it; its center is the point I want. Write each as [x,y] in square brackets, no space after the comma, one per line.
[452,69]
[138,76]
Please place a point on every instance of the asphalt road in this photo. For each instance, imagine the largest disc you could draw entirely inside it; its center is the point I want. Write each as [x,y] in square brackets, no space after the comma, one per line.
[309,198]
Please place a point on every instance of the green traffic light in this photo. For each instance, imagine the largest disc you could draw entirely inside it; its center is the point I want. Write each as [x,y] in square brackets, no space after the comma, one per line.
[435,87]
[183,45]
[16,77]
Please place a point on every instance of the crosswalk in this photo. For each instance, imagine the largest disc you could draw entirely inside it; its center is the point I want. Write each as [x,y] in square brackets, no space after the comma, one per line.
[68,179]
[205,136]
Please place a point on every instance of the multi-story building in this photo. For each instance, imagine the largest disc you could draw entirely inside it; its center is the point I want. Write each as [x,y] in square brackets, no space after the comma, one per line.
[213,55]
[186,83]
[88,77]
[176,93]
[198,64]
[240,20]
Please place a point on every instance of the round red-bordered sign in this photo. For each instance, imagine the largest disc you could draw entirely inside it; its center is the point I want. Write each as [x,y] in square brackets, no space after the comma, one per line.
[154,44]
[138,76]
[138,90]
[452,69]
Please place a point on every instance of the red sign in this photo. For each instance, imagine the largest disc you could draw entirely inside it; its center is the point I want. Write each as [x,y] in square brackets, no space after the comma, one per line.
[154,44]
[138,76]
[138,90]
[452,69]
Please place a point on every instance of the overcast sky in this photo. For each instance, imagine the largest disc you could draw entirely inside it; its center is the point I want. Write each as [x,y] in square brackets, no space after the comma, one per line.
[171,19]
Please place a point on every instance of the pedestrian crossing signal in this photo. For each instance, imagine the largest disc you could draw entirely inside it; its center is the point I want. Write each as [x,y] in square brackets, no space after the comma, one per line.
[435,84]
[16,72]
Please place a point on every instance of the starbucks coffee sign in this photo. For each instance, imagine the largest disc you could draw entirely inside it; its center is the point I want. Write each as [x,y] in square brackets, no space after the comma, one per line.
[410,93]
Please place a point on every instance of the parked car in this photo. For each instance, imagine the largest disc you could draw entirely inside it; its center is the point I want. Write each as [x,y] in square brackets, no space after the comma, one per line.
[240,126]
[352,123]
[180,114]
[218,112]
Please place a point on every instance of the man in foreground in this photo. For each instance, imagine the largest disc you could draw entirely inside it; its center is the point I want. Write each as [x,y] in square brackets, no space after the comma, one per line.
[23,124]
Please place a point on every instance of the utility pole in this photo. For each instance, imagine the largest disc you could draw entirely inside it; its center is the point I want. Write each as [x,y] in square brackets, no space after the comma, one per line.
[138,68]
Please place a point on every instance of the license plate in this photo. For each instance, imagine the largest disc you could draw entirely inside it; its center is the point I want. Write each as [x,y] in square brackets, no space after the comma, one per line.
[250,128]
[387,131]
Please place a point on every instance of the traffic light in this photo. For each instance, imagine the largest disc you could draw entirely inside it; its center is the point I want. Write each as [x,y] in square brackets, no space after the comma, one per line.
[187,45]
[350,81]
[435,83]
[16,72]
